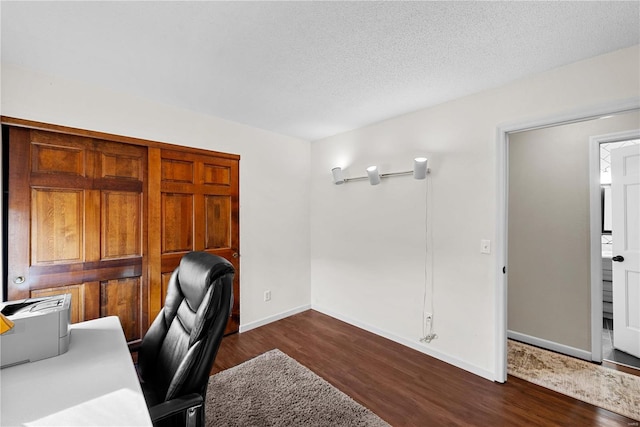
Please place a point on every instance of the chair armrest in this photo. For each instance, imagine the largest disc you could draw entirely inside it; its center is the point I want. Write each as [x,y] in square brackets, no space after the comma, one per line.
[174,406]
[134,349]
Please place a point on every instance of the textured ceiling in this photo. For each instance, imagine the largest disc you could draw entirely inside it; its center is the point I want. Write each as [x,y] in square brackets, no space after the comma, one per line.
[309,69]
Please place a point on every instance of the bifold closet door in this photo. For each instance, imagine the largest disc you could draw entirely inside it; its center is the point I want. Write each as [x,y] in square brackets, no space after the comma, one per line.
[198,210]
[76,224]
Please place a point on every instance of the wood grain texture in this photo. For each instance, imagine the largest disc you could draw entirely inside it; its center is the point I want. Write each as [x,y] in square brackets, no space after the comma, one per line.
[57,226]
[154,236]
[48,159]
[85,225]
[217,212]
[405,387]
[177,222]
[121,297]
[19,227]
[199,212]
[121,224]
[217,175]
[116,227]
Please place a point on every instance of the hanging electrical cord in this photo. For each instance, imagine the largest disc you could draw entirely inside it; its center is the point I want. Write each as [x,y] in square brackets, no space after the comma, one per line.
[428,316]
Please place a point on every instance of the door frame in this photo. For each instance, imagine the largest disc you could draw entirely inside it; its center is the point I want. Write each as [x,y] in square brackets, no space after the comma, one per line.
[595,216]
[502,145]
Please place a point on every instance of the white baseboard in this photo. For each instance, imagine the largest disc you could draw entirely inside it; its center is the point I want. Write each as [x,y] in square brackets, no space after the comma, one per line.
[416,345]
[550,345]
[275,317]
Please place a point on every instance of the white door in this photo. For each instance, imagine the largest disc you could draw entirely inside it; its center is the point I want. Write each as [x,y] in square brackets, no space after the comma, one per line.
[625,195]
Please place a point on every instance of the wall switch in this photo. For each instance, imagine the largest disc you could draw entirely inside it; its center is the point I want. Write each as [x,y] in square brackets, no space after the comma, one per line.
[267,295]
[485,246]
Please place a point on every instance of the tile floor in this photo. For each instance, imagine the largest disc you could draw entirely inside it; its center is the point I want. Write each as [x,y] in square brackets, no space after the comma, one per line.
[610,353]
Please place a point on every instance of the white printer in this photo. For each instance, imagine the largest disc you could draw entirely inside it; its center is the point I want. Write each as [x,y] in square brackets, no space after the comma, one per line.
[40,330]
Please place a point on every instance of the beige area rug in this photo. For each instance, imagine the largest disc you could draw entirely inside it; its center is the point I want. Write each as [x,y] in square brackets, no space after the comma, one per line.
[603,387]
[275,390]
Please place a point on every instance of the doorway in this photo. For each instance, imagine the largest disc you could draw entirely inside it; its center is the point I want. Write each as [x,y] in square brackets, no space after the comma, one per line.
[502,256]
[604,149]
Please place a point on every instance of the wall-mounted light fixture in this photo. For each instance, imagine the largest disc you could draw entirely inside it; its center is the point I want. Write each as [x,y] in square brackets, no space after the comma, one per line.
[374,175]
[420,167]
[338,176]
[420,171]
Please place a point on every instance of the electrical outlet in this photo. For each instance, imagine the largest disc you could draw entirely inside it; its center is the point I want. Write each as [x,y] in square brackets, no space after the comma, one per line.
[428,326]
[267,296]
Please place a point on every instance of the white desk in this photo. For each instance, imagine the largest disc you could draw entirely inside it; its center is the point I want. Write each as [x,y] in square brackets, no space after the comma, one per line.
[93,383]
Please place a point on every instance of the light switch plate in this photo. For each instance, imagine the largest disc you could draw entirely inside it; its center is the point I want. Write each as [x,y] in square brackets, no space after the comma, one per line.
[485,246]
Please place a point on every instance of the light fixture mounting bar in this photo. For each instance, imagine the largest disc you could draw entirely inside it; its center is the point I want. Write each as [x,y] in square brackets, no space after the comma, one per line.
[382,175]
[357,178]
[385,175]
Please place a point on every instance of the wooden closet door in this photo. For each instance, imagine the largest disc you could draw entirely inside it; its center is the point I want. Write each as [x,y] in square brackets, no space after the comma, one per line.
[76,210]
[198,210]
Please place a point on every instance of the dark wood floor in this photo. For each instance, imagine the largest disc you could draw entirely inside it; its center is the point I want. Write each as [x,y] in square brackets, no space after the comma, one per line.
[405,387]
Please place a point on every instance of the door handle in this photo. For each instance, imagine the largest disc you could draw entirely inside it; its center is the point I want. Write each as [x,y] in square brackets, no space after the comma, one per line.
[617,258]
[235,255]
[19,280]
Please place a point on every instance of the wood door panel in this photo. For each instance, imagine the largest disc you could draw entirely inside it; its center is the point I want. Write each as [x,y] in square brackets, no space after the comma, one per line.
[121,297]
[120,166]
[91,300]
[122,224]
[216,175]
[217,222]
[177,171]
[58,159]
[56,226]
[69,155]
[177,222]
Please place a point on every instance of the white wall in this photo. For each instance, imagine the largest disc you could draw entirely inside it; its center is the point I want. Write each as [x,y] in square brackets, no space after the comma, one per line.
[274,197]
[367,256]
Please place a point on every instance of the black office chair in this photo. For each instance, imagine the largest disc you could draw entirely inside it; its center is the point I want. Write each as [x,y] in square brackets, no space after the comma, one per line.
[177,352]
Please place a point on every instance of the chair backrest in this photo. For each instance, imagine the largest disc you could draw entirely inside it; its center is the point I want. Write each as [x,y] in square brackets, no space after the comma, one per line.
[178,350]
